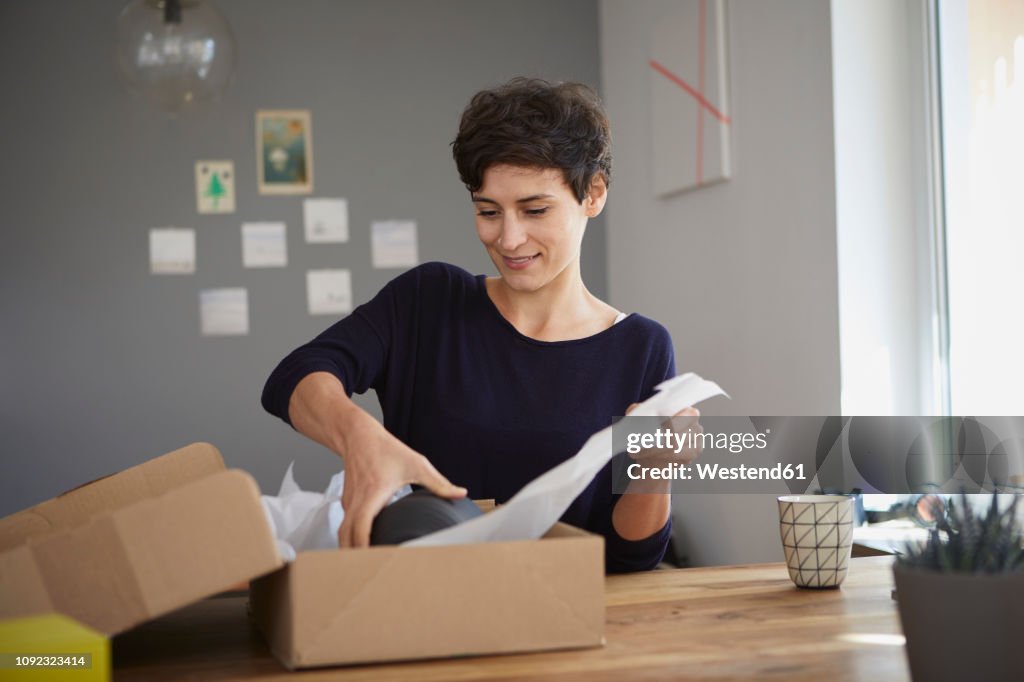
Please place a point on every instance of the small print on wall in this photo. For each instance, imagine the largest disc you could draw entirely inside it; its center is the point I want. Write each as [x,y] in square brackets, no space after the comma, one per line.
[326,220]
[224,312]
[264,245]
[172,251]
[284,151]
[329,292]
[394,244]
[215,186]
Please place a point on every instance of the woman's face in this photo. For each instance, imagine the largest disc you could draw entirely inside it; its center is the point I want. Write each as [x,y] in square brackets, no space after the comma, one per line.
[531,224]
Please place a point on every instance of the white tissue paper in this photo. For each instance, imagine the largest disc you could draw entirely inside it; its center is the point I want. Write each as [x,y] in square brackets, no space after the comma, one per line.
[303,520]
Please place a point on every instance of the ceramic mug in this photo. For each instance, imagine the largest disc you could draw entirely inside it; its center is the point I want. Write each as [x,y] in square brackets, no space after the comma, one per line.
[817,537]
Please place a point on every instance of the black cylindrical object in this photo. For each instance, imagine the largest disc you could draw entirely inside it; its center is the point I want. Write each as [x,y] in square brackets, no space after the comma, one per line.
[419,513]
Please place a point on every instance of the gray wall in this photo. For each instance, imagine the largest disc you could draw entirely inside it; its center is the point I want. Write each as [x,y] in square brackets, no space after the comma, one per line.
[102,364]
[742,273]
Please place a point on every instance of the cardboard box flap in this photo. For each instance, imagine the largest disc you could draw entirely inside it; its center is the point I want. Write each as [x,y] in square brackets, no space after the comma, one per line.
[146,559]
[564,530]
[22,590]
[486,505]
[210,536]
[77,506]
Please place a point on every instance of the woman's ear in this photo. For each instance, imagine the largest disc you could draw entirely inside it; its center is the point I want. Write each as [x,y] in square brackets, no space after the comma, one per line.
[596,197]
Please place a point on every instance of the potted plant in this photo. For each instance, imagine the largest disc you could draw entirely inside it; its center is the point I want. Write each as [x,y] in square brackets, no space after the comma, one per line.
[961,596]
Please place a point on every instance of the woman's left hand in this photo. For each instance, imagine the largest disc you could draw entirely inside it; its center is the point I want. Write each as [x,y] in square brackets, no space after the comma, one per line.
[685,421]
[639,514]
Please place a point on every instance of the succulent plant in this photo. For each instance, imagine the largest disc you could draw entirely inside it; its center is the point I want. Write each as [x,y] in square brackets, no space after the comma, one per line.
[965,542]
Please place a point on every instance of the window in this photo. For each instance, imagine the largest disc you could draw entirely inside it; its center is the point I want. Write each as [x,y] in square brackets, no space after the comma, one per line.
[981,58]
[929,129]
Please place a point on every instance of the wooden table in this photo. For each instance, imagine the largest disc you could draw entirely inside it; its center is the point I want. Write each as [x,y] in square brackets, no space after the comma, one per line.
[730,622]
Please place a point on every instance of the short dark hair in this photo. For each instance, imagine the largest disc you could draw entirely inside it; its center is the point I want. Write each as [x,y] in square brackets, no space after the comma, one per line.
[536,124]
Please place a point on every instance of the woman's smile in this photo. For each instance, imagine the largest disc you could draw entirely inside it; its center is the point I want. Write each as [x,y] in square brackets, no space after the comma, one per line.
[520,263]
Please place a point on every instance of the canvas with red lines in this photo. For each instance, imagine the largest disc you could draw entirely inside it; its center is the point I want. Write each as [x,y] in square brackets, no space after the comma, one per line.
[689,84]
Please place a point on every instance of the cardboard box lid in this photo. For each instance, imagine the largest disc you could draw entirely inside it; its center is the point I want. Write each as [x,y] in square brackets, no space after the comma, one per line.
[79,505]
[129,547]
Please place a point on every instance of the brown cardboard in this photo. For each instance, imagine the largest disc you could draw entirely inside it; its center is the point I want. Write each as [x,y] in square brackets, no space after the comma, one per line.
[129,547]
[396,603]
[79,505]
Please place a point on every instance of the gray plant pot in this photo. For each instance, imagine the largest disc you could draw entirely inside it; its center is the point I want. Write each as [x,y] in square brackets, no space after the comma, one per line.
[960,626]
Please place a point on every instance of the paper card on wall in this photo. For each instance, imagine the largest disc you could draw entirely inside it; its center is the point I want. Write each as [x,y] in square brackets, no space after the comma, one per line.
[329,292]
[326,220]
[172,251]
[394,244]
[224,312]
[264,245]
[215,186]
[284,151]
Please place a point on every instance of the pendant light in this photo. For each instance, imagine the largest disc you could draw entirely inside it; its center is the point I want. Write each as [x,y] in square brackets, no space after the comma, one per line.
[176,53]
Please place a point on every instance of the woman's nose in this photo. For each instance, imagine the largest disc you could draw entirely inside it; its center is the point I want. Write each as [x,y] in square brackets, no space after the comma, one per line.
[513,235]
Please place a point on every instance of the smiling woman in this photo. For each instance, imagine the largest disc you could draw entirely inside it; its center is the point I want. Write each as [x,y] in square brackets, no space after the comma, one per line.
[537,159]
[487,382]
[532,228]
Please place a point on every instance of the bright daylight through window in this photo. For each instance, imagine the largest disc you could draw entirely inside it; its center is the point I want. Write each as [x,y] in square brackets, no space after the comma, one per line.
[982,65]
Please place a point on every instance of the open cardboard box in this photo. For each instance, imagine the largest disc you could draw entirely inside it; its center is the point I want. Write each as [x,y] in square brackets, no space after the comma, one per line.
[127,548]
[394,603]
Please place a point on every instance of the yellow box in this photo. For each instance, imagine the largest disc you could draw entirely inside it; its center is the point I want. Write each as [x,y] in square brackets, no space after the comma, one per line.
[52,647]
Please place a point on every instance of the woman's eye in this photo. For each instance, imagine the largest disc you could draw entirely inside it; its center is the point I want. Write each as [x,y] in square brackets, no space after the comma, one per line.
[487,214]
[537,211]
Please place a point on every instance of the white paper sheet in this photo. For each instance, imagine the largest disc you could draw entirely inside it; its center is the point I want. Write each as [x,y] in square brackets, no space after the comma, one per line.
[224,312]
[394,244]
[264,245]
[172,251]
[535,508]
[303,520]
[329,292]
[326,220]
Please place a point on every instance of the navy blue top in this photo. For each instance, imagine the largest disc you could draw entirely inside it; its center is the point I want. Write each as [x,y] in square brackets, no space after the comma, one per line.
[492,409]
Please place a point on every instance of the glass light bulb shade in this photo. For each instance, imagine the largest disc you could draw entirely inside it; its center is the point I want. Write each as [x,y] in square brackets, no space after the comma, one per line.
[175,65]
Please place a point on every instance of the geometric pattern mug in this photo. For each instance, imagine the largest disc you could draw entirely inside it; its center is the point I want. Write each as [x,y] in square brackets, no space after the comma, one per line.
[817,537]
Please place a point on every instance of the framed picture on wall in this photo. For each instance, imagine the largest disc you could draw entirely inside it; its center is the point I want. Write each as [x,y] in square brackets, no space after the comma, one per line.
[284,151]
[689,76]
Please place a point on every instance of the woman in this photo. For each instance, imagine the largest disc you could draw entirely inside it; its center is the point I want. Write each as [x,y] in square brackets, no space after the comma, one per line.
[487,382]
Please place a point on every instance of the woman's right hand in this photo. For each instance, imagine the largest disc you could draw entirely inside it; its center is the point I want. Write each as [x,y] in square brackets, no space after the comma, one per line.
[376,465]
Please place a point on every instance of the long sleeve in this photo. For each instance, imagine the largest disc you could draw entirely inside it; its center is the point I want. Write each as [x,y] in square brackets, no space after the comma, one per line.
[355,349]
[622,555]
[626,556]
